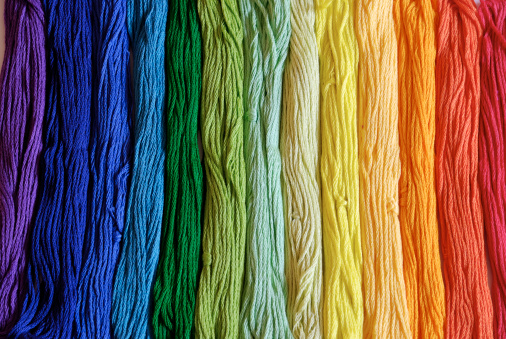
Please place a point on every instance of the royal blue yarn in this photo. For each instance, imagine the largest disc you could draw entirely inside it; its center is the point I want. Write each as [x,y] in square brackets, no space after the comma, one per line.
[132,290]
[109,167]
[57,239]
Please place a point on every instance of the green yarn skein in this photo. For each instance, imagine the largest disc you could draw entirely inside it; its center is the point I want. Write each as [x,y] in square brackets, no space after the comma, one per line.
[175,287]
[224,232]
[266,37]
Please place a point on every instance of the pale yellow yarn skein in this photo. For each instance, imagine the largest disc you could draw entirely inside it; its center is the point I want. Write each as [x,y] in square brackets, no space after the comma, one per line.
[385,308]
[343,312]
[299,153]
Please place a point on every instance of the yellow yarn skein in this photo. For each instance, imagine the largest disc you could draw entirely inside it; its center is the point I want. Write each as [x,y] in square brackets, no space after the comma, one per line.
[343,312]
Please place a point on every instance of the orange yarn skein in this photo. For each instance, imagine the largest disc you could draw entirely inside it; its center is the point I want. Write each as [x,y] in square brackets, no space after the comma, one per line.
[415,29]
[468,301]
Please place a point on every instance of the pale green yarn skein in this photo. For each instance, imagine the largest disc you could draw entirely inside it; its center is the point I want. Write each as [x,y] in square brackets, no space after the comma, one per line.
[266,37]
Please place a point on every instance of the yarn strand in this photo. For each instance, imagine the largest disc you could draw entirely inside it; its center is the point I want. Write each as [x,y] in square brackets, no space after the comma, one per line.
[415,23]
[468,303]
[176,281]
[385,307]
[343,312]
[22,100]
[140,247]
[266,37]
[224,232]
[300,160]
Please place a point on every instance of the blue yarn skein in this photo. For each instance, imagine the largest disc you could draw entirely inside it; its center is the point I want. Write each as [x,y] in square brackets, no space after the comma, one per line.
[57,239]
[141,238]
[109,167]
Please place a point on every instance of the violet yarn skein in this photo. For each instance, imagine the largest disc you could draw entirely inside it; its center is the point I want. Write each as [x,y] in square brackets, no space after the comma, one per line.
[58,234]
[22,100]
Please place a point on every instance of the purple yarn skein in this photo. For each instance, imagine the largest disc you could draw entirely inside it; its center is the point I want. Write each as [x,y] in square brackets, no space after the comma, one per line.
[22,101]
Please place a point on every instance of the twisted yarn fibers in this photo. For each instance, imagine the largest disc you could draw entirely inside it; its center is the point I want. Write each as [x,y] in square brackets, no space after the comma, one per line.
[415,23]
[266,36]
[385,309]
[57,241]
[140,249]
[343,312]
[300,159]
[492,136]
[468,301]
[175,288]
[22,100]
[224,232]
[109,167]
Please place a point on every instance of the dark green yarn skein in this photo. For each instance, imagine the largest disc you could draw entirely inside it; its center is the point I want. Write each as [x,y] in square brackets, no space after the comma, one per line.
[176,279]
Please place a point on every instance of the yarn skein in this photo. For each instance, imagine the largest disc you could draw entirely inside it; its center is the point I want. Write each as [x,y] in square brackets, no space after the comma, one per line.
[140,247]
[266,37]
[468,302]
[343,311]
[415,24]
[109,167]
[385,308]
[57,241]
[22,101]
[175,287]
[300,162]
[492,138]
[224,232]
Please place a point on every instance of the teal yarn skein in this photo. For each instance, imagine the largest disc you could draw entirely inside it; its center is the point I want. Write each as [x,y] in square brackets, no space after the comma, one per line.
[266,37]
[141,237]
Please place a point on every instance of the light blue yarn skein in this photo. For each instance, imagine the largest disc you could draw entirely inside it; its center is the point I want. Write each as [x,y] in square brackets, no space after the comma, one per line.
[141,238]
